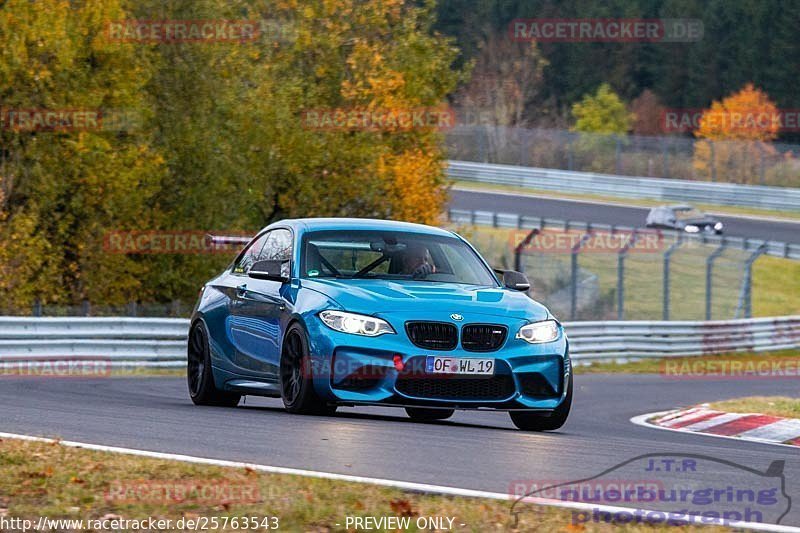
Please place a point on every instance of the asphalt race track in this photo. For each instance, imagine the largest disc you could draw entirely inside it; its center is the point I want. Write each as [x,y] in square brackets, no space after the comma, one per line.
[474,450]
[609,214]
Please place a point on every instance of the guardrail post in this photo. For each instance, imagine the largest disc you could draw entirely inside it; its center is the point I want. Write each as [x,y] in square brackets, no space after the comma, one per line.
[667,256]
[618,155]
[518,250]
[709,268]
[748,279]
[85,308]
[623,253]
[573,296]
[37,307]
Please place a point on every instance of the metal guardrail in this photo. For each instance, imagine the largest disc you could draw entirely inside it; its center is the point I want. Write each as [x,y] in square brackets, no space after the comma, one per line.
[122,340]
[759,196]
[146,342]
[512,220]
[604,340]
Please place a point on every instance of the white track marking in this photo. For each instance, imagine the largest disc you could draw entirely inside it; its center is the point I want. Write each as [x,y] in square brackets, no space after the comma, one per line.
[779,431]
[716,421]
[402,485]
[700,413]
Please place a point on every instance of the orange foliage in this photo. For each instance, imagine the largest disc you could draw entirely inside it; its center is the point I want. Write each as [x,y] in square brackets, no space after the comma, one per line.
[747,115]
[734,137]
[415,186]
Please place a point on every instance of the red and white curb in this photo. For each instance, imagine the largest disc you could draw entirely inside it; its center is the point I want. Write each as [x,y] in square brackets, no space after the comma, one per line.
[754,427]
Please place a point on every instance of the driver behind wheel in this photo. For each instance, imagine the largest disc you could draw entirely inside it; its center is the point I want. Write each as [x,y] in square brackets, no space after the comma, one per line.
[417,261]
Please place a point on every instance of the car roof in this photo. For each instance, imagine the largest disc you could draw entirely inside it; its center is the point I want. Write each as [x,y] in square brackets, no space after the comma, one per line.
[322,224]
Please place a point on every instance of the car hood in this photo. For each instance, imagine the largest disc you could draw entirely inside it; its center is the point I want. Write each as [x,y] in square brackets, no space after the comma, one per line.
[381,296]
[707,221]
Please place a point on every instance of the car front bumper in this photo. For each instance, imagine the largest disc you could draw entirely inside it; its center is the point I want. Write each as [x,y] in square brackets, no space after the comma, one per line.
[390,370]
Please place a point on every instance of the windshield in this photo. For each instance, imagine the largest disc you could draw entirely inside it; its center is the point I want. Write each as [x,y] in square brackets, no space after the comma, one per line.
[399,256]
[688,214]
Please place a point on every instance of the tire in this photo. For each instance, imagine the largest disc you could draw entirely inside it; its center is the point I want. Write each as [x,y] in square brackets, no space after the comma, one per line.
[199,375]
[297,388]
[531,421]
[422,414]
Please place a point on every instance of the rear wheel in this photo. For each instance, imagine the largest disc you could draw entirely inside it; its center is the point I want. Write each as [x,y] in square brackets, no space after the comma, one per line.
[297,387]
[423,414]
[531,421]
[199,375]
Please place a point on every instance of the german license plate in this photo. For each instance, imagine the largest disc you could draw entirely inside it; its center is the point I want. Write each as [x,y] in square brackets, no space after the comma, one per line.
[459,365]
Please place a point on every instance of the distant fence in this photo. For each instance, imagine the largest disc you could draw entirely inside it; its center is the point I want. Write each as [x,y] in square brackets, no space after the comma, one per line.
[512,220]
[672,190]
[143,342]
[665,156]
[684,276]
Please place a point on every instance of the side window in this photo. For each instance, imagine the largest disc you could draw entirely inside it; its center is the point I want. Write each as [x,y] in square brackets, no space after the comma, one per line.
[278,246]
[251,255]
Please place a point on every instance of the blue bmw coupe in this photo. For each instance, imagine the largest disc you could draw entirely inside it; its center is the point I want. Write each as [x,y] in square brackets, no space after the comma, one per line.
[342,312]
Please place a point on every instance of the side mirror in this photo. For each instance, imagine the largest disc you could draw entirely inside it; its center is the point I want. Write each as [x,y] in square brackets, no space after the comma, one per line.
[515,280]
[270,270]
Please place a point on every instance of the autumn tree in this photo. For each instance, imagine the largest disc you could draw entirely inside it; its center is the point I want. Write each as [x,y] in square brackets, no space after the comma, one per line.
[219,143]
[601,119]
[734,136]
[67,186]
[602,112]
[648,113]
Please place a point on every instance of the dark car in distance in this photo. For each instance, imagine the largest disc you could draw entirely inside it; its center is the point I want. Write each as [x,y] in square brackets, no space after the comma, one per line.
[683,218]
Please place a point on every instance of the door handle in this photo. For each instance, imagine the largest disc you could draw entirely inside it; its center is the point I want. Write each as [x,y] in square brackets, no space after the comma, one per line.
[241,290]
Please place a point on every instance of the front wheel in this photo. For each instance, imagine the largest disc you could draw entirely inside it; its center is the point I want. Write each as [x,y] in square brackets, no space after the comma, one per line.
[199,374]
[531,421]
[423,414]
[297,387]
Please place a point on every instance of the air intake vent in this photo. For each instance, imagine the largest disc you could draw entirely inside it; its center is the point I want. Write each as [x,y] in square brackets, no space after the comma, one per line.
[483,337]
[433,335]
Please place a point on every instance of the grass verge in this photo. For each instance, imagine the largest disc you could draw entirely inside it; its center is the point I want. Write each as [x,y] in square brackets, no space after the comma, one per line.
[43,479]
[765,405]
[695,365]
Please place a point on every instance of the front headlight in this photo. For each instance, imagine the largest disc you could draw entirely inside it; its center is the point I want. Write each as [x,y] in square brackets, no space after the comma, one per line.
[718,226]
[538,332]
[691,228]
[355,324]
